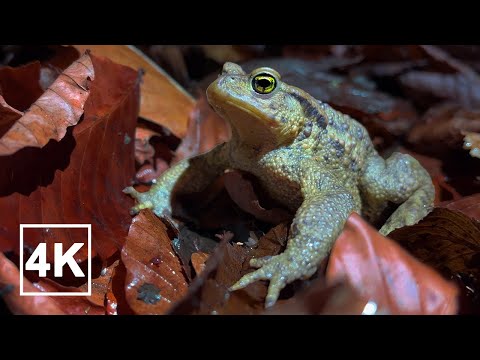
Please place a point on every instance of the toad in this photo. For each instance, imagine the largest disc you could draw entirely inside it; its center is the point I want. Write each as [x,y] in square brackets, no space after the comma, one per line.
[319,163]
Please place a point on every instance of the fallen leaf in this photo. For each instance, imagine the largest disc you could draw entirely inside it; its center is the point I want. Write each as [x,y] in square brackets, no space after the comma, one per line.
[320,298]
[447,63]
[242,193]
[154,279]
[70,305]
[8,116]
[163,101]
[208,293]
[224,53]
[446,240]
[188,243]
[468,205]
[380,270]
[441,129]
[198,261]
[20,86]
[453,87]
[206,129]
[80,178]
[23,305]
[52,67]
[100,285]
[60,106]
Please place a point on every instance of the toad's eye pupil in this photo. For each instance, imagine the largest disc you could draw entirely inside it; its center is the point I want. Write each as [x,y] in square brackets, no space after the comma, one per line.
[264,83]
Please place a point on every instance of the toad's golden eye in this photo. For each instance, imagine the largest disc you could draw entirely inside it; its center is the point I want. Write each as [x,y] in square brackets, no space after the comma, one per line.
[264,83]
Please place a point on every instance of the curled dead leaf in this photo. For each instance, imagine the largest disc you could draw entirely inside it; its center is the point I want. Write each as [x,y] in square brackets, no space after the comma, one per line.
[59,107]
[79,178]
[163,101]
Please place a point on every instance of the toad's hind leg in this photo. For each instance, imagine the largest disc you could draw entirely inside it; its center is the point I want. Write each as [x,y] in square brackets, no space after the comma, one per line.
[402,180]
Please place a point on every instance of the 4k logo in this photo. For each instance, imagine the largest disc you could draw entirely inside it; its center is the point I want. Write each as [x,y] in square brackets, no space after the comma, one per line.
[62,257]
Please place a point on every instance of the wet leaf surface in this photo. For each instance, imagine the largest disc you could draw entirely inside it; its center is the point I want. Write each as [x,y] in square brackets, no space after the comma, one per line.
[10,288]
[78,179]
[154,278]
[380,270]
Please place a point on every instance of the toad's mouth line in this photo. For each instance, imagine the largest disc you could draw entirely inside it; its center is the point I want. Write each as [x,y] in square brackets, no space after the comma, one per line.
[253,112]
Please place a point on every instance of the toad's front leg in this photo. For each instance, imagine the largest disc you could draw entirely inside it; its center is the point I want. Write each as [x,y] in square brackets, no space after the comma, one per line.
[187,176]
[317,224]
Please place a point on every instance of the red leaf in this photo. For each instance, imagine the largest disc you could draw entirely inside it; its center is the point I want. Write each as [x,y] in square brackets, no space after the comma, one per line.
[154,274]
[469,205]
[163,101]
[205,130]
[382,271]
[80,178]
[321,298]
[208,293]
[27,305]
[71,305]
[442,128]
[198,261]
[59,107]
[20,86]
[242,193]
[8,116]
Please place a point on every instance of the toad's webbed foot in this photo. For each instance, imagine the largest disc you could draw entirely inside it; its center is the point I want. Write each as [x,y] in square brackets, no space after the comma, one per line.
[280,270]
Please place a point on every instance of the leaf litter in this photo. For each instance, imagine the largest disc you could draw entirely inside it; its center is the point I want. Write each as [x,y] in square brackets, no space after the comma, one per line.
[152,266]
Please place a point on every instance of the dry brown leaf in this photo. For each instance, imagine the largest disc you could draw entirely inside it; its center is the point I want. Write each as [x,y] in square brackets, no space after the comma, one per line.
[154,279]
[445,239]
[454,87]
[25,305]
[80,178]
[8,116]
[20,86]
[198,261]
[188,243]
[380,270]
[206,129]
[163,101]
[321,298]
[208,293]
[59,107]
[468,205]
[442,127]
[242,193]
